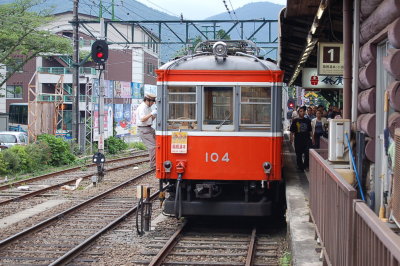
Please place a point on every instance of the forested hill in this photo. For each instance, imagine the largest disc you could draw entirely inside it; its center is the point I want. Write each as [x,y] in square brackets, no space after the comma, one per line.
[134,10]
[257,10]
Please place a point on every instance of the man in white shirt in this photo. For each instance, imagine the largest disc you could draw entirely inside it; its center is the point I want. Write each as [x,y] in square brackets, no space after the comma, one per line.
[144,120]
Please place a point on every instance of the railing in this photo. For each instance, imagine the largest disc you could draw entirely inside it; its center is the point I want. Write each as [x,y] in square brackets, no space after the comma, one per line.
[331,199]
[48,97]
[374,242]
[66,70]
[323,143]
[350,233]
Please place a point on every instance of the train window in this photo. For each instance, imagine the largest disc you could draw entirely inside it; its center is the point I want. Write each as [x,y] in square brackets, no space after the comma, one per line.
[182,108]
[218,108]
[255,107]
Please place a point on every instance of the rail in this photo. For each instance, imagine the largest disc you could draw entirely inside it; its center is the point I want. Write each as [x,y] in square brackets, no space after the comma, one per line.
[331,204]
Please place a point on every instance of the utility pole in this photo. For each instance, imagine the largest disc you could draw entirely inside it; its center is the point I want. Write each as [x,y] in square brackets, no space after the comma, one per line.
[206,31]
[75,76]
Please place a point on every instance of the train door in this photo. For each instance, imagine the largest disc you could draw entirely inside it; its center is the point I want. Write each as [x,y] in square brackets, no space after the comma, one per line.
[218,111]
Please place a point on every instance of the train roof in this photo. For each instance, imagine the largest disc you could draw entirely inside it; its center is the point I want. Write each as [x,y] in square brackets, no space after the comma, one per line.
[211,62]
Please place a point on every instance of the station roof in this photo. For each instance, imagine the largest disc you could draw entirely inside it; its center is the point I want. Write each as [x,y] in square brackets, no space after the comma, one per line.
[296,22]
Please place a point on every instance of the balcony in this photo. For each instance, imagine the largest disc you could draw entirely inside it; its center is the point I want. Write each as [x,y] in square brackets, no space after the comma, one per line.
[66,70]
[48,97]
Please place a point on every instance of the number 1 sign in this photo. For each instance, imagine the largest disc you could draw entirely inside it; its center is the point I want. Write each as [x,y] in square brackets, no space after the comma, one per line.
[330,59]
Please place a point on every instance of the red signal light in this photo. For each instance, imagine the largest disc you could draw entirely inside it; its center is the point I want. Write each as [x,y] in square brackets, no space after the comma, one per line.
[100,54]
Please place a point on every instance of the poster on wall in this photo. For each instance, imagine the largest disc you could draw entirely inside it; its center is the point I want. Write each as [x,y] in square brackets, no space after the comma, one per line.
[125,89]
[117,89]
[136,90]
[108,121]
[122,118]
[108,88]
[134,106]
[122,89]
[95,88]
[150,89]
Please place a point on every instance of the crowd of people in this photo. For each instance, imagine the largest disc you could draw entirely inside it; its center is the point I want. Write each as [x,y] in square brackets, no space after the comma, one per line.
[308,125]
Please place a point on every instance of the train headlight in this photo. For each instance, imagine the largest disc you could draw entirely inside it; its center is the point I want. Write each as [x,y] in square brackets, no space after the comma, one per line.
[167,166]
[267,167]
[220,49]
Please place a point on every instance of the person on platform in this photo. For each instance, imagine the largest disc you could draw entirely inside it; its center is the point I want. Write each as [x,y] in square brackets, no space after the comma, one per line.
[318,126]
[300,134]
[144,119]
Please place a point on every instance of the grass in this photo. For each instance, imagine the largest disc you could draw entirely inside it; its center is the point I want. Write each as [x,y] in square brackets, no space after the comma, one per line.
[13,177]
[286,259]
[137,146]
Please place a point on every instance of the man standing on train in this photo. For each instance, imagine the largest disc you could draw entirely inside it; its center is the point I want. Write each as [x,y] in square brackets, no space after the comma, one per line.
[300,133]
[144,119]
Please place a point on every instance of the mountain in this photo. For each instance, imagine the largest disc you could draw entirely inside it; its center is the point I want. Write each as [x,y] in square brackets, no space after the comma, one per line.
[257,10]
[133,10]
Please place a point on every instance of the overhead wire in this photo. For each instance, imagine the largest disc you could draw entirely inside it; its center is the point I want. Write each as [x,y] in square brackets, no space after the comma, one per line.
[230,15]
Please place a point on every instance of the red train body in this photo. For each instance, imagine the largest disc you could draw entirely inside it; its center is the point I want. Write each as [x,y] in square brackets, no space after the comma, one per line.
[219,133]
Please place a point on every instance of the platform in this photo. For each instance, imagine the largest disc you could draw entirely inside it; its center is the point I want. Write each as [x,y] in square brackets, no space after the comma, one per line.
[301,231]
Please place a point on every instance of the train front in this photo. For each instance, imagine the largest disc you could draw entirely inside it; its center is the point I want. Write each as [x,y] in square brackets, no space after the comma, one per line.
[219,132]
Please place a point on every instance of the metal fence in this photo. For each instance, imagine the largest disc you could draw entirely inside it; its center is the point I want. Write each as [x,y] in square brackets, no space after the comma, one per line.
[350,233]
[374,242]
[331,204]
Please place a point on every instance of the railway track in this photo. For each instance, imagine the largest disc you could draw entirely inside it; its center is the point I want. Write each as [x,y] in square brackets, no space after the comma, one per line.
[205,246]
[19,190]
[60,238]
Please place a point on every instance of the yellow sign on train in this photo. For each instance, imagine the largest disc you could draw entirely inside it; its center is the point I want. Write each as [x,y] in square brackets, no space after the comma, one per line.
[179,142]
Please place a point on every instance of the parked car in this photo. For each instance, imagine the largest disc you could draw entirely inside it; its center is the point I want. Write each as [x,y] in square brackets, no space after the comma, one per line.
[11,138]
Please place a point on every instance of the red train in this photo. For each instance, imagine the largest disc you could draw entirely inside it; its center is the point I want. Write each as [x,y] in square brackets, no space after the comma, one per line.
[219,132]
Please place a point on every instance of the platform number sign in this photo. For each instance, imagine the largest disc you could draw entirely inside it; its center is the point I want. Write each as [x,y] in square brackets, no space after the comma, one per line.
[330,59]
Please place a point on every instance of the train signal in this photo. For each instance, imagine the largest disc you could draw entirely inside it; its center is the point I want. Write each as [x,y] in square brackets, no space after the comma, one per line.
[100,51]
[291,103]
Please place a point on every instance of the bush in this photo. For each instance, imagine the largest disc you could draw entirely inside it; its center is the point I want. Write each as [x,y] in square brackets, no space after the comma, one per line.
[60,151]
[40,154]
[113,145]
[11,160]
[3,165]
[25,163]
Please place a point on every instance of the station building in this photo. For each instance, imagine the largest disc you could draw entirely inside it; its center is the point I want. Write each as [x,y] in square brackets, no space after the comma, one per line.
[361,39]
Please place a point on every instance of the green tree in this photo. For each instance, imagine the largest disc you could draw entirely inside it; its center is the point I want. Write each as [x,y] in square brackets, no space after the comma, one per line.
[221,34]
[22,36]
[185,50]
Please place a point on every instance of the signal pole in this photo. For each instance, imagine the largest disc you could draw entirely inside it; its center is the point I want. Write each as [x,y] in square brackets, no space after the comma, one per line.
[75,77]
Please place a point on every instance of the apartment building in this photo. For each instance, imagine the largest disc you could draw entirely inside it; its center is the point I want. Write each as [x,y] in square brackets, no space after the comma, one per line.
[41,78]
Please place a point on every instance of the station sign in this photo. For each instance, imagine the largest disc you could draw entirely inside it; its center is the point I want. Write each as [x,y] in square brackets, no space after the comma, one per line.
[311,80]
[330,59]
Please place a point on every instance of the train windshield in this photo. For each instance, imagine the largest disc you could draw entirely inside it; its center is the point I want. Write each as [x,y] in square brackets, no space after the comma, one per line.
[218,108]
[182,112]
[255,107]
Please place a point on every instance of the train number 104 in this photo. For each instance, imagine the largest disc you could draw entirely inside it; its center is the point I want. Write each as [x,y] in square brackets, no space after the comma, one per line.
[215,157]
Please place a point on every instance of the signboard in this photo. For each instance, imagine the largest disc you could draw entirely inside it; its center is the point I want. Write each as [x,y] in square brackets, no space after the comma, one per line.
[179,142]
[311,80]
[330,59]
[101,142]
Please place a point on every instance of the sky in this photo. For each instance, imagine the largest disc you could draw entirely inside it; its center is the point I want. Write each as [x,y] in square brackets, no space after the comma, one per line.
[199,9]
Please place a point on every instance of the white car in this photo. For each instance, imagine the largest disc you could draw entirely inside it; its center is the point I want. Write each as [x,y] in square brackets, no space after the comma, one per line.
[11,138]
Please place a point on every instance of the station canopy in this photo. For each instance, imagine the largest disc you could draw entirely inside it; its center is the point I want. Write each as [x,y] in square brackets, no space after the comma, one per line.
[301,32]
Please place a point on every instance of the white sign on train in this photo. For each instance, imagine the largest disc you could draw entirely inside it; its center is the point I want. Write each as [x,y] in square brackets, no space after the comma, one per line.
[311,80]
